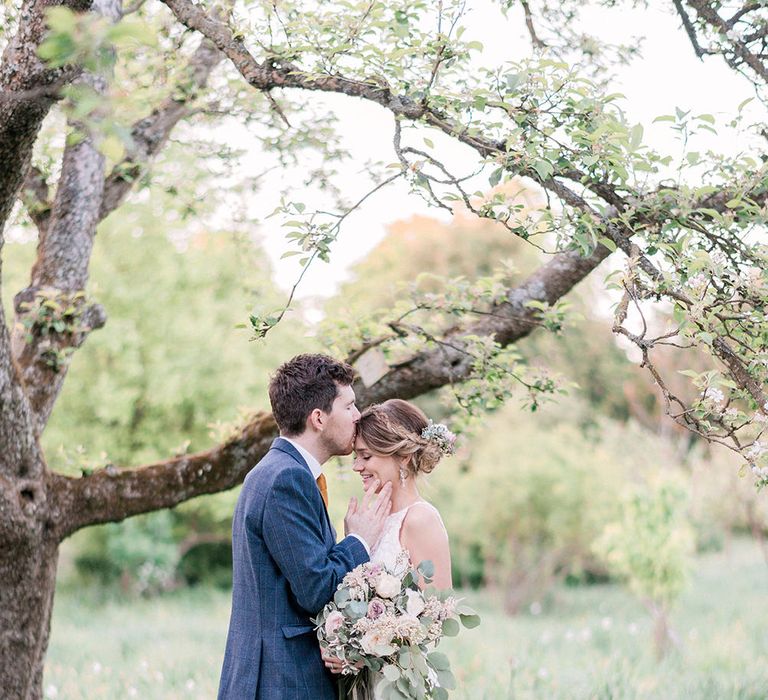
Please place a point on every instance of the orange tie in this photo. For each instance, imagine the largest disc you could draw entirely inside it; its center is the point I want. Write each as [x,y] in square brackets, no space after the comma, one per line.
[323,486]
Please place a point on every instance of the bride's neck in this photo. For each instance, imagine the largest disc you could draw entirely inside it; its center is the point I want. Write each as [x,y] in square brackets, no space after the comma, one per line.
[403,496]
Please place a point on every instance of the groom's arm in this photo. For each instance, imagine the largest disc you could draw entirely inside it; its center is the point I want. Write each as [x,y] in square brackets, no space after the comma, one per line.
[292,528]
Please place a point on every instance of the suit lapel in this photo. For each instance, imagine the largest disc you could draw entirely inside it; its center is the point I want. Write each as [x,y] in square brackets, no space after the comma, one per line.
[285,446]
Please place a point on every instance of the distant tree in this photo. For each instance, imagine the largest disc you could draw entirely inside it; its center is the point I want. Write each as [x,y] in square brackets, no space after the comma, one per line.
[649,546]
[125,78]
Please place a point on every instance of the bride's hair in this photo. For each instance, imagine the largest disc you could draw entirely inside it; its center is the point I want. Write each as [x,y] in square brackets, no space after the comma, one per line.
[394,429]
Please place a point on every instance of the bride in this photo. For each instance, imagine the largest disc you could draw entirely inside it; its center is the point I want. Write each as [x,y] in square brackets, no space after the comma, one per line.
[396,443]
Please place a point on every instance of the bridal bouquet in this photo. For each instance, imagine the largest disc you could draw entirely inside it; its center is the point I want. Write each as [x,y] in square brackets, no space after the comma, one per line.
[382,627]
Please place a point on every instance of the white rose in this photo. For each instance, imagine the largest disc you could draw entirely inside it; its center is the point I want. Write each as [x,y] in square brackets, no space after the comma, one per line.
[387,586]
[415,605]
[377,642]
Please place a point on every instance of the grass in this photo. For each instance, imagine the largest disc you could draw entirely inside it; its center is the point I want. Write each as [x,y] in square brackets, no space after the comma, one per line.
[579,643]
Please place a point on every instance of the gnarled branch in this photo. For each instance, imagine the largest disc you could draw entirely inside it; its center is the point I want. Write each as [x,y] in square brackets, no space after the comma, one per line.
[112,494]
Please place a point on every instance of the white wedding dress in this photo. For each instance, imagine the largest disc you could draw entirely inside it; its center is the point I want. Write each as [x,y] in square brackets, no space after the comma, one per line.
[386,552]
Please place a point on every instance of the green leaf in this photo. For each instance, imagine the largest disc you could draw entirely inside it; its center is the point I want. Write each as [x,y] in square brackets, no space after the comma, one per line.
[75,137]
[426,569]
[357,609]
[446,680]
[132,31]
[450,627]
[57,50]
[608,243]
[439,661]
[513,80]
[391,672]
[112,147]
[341,596]
[61,19]
[543,168]
[688,373]
[470,621]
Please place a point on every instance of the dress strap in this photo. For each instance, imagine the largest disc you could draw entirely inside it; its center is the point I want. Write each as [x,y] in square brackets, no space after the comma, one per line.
[425,503]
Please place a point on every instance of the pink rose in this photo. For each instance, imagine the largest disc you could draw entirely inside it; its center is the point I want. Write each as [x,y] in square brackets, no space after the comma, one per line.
[376,608]
[332,623]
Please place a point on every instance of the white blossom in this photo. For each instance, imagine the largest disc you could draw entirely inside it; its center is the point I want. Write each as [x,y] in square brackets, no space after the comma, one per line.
[714,394]
[756,449]
[415,605]
[387,586]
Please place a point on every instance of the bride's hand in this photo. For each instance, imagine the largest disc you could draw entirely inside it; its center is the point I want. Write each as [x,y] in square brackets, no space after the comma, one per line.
[333,663]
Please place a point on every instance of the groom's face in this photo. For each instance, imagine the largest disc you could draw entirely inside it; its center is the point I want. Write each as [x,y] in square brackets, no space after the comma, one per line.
[339,432]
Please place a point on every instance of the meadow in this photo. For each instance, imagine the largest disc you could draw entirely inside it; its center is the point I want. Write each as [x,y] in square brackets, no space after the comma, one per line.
[584,642]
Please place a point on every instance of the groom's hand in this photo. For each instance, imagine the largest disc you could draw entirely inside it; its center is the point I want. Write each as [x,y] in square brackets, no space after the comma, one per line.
[366,519]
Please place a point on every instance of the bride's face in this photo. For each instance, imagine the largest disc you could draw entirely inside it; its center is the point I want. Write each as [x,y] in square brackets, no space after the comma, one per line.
[371,466]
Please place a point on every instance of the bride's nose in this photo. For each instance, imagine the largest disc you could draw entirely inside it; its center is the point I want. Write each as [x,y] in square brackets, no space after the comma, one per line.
[357,465]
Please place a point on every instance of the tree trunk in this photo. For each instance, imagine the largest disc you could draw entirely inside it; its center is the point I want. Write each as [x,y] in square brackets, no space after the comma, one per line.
[28,572]
[663,639]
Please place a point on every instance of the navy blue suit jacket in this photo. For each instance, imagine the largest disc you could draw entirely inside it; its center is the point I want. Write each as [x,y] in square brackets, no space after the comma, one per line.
[286,566]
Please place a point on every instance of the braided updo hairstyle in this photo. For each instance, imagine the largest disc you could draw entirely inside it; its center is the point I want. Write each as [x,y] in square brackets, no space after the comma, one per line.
[393,429]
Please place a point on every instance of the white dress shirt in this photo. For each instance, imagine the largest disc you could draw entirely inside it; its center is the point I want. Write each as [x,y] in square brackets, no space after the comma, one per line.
[317,469]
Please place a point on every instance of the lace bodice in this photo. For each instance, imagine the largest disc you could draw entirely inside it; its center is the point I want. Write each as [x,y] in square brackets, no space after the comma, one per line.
[388,547]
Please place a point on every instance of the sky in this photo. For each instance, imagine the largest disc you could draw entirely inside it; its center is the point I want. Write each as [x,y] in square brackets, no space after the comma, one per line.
[667,75]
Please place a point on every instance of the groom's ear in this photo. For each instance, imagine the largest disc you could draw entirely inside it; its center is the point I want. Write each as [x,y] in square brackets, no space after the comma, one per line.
[316,420]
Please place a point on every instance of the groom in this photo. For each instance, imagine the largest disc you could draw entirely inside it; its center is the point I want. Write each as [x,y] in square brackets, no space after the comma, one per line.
[286,562]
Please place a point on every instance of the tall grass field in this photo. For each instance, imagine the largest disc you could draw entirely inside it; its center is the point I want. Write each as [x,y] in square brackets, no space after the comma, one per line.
[591,642]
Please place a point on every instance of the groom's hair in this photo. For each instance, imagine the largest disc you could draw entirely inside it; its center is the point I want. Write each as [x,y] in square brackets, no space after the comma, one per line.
[301,385]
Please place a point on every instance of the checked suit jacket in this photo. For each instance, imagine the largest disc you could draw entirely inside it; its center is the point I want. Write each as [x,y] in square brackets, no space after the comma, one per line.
[286,566]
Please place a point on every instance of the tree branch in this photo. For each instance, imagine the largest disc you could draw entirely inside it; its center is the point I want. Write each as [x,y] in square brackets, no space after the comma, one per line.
[689,28]
[112,494]
[27,90]
[709,15]
[538,43]
[510,321]
[150,134]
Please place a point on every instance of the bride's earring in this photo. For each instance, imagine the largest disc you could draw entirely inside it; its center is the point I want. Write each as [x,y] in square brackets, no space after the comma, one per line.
[403,475]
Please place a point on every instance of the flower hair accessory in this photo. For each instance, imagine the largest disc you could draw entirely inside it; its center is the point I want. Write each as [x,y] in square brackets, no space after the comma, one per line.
[441,436]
